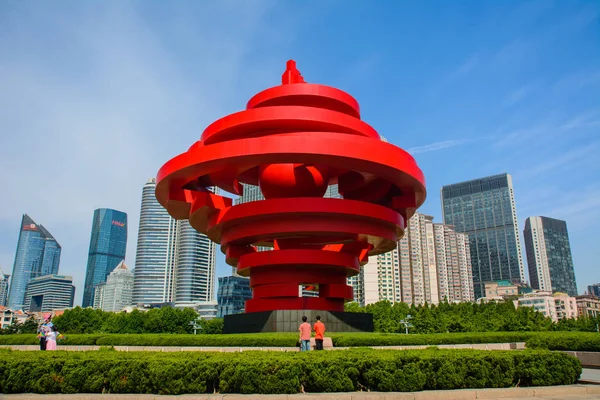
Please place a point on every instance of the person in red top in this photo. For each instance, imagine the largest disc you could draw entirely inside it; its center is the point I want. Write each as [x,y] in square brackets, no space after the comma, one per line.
[304,335]
[319,333]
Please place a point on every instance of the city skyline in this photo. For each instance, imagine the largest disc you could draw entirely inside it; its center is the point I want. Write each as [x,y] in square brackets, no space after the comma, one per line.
[467,92]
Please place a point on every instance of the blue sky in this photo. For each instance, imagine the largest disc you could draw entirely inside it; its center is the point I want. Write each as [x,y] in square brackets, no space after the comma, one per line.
[96,96]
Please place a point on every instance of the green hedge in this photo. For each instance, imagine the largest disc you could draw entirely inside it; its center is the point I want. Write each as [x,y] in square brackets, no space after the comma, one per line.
[289,339]
[395,339]
[574,341]
[267,372]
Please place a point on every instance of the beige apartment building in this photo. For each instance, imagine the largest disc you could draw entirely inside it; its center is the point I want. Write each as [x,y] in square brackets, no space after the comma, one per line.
[555,306]
[431,263]
[588,305]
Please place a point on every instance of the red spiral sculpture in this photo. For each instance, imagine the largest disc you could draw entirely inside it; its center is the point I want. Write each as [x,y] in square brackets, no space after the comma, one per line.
[293,141]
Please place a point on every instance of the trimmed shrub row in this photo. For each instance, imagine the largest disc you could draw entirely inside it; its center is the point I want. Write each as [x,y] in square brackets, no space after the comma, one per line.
[265,372]
[275,339]
[395,339]
[573,341]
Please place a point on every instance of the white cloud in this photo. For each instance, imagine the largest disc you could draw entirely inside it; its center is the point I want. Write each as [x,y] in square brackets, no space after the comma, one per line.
[435,146]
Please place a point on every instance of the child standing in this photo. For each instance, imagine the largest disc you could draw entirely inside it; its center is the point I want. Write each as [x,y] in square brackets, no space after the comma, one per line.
[51,338]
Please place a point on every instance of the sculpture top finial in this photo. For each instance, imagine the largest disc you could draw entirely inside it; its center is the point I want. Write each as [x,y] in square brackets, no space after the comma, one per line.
[291,74]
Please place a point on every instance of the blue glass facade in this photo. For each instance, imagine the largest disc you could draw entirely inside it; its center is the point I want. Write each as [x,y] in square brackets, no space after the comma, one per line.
[232,295]
[38,254]
[594,289]
[485,210]
[549,255]
[107,249]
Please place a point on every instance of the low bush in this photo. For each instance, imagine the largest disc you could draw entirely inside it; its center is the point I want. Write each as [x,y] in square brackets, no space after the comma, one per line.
[396,339]
[574,341]
[267,372]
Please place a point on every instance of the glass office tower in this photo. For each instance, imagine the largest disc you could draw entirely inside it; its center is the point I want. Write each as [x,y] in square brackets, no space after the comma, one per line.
[549,255]
[38,254]
[485,209]
[232,295]
[107,249]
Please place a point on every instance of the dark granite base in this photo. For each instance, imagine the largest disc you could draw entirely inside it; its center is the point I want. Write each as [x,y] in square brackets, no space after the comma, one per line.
[289,320]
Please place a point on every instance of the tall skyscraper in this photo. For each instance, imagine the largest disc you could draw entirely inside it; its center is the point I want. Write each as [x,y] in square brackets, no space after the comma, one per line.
[38,254]
[485,210]
[594,289]
[431,264]
[49,292]
[108,244]
[549,255]
[155,256]
[195,265]
[117,292]
[3,288]
[174,263]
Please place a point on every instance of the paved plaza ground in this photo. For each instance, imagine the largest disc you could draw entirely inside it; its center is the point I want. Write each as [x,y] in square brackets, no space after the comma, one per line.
[570,392]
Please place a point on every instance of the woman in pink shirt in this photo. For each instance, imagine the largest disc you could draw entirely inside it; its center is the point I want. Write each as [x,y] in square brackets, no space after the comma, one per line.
[304,335]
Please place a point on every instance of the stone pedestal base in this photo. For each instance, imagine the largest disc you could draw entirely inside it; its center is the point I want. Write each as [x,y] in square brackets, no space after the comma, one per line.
[289,320]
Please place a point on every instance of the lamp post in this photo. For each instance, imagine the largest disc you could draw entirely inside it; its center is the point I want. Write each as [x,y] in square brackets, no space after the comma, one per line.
[406,323]
[196,325]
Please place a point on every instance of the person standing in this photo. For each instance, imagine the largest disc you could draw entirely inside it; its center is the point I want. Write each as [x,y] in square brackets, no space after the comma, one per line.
[42,336]
[51,338]
[319,333]
[304,335]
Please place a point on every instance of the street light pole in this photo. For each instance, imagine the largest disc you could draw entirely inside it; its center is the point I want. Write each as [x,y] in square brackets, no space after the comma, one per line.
[406,323]
[195,325]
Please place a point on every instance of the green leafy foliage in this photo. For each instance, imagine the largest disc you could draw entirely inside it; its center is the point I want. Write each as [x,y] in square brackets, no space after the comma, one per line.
[574,341]
[266,372]
[158,320]
[29,326]
[449,317]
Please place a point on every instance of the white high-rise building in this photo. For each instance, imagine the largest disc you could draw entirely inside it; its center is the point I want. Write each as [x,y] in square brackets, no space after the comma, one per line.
[117,292]
[174,263]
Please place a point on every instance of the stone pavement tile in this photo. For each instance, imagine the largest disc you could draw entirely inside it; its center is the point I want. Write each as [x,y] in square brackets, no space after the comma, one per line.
[465,394]
[463,346]
[383,396]
[593,389]
[151,348]
[504,393]
[255,397]
[568,390]
[171,349]
[322,396]
[191,348]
